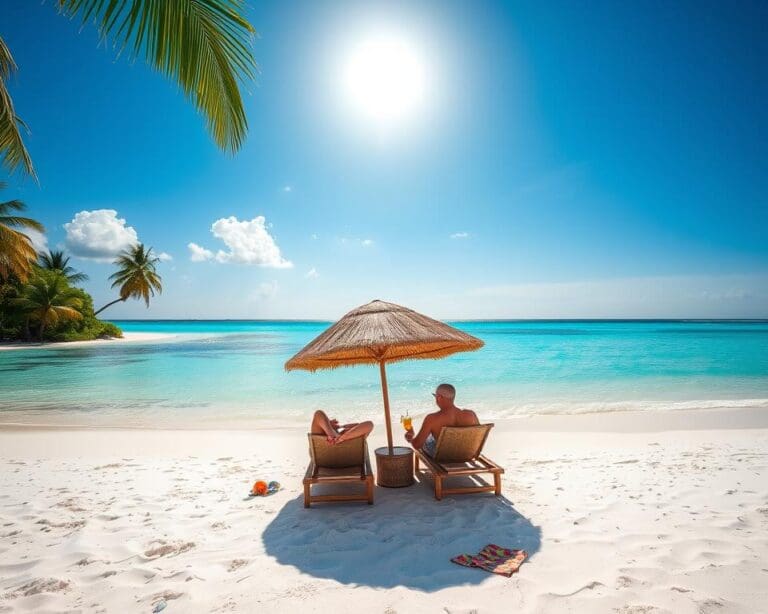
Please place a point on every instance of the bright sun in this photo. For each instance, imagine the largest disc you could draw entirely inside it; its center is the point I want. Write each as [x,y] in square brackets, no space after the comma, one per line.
[384,79]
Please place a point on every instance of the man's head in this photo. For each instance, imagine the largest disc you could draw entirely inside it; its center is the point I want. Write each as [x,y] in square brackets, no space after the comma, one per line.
[444,395]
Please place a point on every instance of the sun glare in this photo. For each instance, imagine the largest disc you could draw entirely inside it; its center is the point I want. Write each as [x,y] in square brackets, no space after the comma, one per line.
[384,79]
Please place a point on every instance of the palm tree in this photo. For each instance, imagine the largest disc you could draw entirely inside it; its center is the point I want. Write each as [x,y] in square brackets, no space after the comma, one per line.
[57,261]
[136,275]
[47,298]
[16,251]
[202,45]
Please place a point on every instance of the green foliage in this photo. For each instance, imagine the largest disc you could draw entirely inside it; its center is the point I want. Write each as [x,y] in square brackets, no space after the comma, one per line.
[85,329]
[202,45]
[46,304]
[11,322]
[57,260]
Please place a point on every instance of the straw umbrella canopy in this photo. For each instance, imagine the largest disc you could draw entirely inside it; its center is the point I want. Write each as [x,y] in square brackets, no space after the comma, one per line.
[378,333]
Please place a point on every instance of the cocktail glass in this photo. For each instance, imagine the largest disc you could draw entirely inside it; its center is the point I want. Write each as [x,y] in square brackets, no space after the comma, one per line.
[407,422]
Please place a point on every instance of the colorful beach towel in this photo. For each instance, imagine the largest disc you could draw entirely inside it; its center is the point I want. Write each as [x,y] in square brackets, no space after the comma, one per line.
[493,558]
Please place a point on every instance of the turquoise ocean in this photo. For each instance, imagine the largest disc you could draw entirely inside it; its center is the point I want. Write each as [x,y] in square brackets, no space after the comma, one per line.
[210,373]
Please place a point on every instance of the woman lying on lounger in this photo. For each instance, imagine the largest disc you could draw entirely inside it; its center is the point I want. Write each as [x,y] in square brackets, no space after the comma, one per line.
[336,433]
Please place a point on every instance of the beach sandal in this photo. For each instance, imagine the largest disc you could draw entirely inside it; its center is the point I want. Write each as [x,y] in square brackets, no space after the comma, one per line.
[262,489]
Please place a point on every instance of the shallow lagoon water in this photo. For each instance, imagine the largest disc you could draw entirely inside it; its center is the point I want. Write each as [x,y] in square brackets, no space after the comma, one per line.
[215,372]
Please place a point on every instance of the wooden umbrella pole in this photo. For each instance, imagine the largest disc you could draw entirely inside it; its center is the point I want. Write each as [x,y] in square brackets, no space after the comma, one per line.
[385,393]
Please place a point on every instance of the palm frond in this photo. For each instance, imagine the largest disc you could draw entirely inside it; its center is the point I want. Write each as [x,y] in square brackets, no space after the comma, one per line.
[75,278]
[57,260]
[204,45]
[16,254]
[10,205]
[13,152]
[24,222]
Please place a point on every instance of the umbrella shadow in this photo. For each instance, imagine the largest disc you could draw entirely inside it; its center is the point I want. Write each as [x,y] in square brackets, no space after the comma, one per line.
[406,538]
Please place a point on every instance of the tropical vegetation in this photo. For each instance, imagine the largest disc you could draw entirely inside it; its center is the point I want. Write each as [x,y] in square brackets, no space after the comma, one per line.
[47,300]
[59,261]
[39,294]
[49,308]
[136,275]
[202,45]
[16,250]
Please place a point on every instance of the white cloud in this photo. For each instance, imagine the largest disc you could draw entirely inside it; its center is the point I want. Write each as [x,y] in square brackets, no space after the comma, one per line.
[459,235]
[98,235]
[366,242]
[164,256]
[248,242]
[198,253]
[312,273]
[38,239]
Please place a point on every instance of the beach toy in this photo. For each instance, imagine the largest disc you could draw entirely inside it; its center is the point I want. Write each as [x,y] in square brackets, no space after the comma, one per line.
[264,489]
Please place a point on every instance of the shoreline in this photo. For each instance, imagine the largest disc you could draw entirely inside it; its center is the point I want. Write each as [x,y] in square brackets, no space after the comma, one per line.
[129,337]
[649,421]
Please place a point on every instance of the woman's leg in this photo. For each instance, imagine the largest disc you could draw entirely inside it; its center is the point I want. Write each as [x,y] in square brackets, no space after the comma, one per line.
[321,425]
[362,429]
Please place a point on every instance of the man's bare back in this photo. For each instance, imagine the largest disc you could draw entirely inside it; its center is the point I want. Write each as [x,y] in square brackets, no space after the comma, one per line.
[449,415]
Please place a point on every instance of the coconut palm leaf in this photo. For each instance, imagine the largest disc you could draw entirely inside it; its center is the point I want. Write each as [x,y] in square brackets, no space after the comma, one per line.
[204,45]
[16,251]
[58,261]
[13,153]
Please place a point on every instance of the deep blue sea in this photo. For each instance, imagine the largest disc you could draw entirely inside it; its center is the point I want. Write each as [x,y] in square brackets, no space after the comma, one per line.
[212,372]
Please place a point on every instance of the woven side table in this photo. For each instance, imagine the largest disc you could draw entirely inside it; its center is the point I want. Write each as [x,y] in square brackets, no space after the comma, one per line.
[394,470]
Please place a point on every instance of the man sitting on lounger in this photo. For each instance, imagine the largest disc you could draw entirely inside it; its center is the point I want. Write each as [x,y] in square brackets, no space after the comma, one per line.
[449,415]
[336,433]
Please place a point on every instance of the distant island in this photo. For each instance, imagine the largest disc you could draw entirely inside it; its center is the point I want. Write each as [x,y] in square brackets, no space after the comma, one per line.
[39,297]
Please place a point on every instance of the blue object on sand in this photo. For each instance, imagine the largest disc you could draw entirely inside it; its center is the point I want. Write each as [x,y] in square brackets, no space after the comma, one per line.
[272,488]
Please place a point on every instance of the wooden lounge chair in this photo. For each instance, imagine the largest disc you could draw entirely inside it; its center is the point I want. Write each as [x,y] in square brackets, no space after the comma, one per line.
[346,462]
[458,453]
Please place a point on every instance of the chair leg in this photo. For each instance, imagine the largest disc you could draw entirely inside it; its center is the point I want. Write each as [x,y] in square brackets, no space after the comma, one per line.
[497,483]
[416,463]
[438,488]
[369,489]
[306,495]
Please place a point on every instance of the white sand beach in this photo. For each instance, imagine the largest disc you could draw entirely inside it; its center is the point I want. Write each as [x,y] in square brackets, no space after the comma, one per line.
[618,513]
[126,338]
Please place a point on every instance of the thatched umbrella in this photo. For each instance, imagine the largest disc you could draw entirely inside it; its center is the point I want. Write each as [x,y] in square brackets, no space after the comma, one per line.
[378,333]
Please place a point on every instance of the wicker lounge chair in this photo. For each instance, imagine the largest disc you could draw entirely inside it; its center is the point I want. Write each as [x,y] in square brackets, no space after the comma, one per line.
[458,453]
[346,462]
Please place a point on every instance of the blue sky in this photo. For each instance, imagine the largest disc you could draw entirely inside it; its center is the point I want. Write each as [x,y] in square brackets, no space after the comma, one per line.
[563,161]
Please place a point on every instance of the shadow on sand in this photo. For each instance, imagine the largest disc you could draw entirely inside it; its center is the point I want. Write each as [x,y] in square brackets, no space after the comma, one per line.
[406,538]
